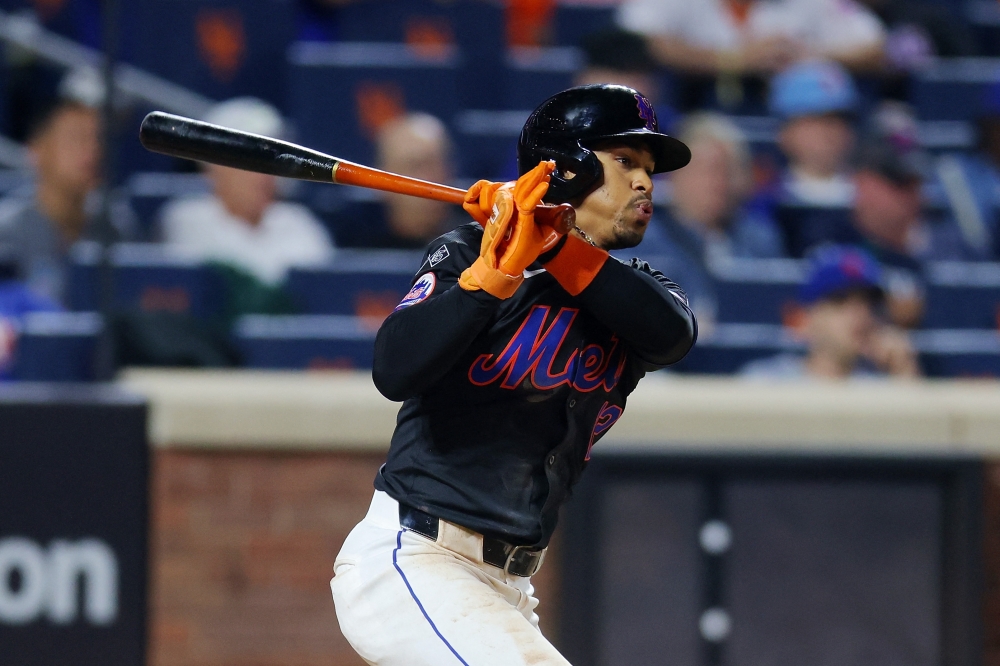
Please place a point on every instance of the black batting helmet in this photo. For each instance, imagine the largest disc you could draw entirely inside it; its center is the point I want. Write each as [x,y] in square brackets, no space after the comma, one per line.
[566,123]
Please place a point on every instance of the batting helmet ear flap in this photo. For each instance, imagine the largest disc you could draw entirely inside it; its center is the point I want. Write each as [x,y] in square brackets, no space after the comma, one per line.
[576,172]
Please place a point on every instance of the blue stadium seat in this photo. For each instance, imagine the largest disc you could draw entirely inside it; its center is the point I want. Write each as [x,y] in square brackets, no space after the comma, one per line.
[963,295]
[395,20]
[340,92]
[146,278]
[305,341]
[487,142]
[363,283]
[953,89]
[967,353]
[57,346]
[756,291]
[729,347]
[805,227]
[536,73]
[574,22]
[220,48]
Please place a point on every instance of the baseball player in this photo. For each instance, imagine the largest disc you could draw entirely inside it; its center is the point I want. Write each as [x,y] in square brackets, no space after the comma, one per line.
[513,355]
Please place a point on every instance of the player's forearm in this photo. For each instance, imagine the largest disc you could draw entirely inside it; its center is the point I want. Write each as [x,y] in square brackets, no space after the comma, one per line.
[417,345]
[656,324]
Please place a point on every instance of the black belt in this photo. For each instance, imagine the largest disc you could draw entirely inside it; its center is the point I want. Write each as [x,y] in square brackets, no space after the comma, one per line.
[521,561]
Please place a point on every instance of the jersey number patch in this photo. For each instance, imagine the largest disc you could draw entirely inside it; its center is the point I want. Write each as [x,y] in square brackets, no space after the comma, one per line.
[606,418]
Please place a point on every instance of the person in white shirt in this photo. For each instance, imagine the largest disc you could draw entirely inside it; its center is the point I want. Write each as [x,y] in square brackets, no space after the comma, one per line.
[816,102]
[241,223]
[755,36]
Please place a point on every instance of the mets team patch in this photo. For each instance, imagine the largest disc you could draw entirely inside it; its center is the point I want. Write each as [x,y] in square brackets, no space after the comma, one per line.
[421,289]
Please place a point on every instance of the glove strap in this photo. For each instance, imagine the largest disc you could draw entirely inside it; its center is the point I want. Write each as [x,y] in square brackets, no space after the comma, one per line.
[576,265]
[496,283]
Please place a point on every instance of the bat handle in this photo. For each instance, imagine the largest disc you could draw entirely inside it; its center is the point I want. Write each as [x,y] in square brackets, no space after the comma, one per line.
[562,216]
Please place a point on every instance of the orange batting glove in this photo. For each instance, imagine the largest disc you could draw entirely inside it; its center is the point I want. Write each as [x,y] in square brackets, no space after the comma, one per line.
[529,238]
[479,200]
[511,238]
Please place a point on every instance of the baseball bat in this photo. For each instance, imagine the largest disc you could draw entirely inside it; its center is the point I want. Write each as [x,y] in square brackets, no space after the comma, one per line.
[196,140]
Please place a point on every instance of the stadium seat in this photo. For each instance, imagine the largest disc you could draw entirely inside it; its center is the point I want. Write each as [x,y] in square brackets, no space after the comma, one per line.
[574,22]
[147,278]
[536,73]
[967,353]
[963,295]
[805,227]
[399,21]
[57,346]
[756,291]
[219,48]
[306,341]
[362,283]
[729,347]
[487,142]
[340,93]
[953,89]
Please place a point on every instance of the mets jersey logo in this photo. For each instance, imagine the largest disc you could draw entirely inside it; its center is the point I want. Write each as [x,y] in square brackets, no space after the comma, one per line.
[646,112]
[532,351]
[421,289]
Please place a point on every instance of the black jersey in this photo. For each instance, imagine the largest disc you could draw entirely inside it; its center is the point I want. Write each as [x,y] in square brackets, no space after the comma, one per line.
[503,399]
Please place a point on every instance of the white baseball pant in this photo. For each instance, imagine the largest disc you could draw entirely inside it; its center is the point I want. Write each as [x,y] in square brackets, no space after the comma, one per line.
[404,600]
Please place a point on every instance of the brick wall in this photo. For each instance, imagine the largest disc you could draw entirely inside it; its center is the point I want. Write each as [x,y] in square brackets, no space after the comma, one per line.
[243,546]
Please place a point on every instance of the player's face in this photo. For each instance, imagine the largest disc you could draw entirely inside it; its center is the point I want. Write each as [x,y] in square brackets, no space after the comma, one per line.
[617,213]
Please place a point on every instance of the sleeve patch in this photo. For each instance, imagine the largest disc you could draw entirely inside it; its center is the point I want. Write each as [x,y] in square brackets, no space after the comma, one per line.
[439,255]
[421,290]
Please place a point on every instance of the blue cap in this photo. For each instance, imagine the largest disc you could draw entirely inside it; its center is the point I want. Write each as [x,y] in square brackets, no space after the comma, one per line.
[836,270]
[812,88]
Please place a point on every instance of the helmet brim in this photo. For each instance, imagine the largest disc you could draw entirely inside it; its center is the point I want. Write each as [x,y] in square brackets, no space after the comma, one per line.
[669,153]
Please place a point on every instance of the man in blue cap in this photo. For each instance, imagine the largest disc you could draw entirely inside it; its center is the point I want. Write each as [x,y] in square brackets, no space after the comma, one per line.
[816,102]
[840,324]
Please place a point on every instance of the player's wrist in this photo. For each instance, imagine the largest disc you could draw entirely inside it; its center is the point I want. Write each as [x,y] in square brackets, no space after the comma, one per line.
[549,255]
[481,276]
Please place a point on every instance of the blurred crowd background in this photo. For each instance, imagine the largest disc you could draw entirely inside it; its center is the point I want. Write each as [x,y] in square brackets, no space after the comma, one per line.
[840,216]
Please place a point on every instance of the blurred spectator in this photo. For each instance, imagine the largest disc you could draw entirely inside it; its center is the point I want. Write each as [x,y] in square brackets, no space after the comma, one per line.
[241,223]
[844,335]
[816,101]
[40,225]
[755,36]
[971,182]
[888,211]
[919,31]
[416,145]
[621,57]
[708,219]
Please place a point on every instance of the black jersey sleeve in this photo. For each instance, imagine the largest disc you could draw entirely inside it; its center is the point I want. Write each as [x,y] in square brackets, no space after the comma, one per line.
[645,308]
[419,342]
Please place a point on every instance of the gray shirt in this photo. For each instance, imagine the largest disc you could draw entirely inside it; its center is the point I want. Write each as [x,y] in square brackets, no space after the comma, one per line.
[32,242]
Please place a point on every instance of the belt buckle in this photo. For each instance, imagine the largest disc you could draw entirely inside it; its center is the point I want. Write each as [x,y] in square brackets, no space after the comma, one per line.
[534,562]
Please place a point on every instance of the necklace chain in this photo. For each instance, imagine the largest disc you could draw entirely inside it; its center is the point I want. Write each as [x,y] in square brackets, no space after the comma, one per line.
[584,235]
